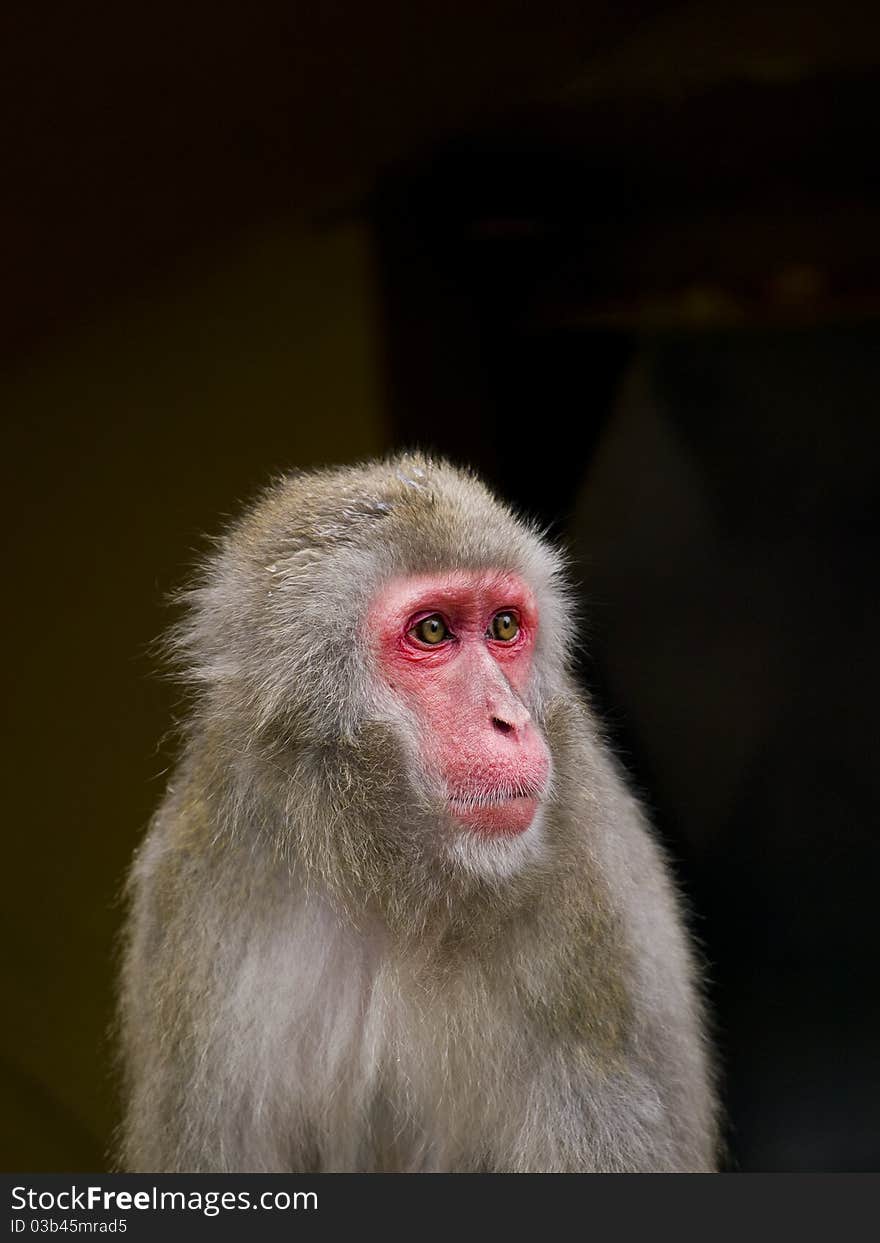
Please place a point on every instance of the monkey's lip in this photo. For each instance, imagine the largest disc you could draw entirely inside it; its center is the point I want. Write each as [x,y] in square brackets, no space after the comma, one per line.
[502,812]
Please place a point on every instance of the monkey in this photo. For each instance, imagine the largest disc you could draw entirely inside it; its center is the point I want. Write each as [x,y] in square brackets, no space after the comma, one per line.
[399,910]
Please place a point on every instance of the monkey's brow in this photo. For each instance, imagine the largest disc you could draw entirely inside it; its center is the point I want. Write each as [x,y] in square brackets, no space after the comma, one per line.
[477,593]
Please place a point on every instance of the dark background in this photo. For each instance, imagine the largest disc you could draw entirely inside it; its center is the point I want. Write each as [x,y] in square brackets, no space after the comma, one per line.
[623,258]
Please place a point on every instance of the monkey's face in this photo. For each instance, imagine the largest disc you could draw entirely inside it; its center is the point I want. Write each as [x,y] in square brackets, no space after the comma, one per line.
[456,649]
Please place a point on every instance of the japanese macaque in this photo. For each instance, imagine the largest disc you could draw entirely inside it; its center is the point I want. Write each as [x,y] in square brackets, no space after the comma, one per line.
[398,910]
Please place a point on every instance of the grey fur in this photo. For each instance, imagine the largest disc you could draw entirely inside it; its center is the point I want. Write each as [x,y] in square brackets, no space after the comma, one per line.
[318,974]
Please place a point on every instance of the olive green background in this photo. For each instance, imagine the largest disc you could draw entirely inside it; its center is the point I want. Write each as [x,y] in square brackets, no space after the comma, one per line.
[123,446]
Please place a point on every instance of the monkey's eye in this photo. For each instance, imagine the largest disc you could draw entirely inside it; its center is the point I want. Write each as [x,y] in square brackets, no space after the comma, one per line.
[431,630]
[505,626]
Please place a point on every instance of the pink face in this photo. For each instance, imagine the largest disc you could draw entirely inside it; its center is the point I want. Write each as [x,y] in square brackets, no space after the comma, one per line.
[457,649]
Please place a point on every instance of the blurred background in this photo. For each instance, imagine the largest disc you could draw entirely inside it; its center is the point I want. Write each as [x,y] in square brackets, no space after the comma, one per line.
[624,259]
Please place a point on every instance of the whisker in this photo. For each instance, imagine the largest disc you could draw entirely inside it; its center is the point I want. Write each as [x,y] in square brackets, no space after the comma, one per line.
[475,800]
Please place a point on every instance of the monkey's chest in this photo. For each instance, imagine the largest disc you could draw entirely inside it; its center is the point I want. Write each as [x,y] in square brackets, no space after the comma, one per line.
[369,1059]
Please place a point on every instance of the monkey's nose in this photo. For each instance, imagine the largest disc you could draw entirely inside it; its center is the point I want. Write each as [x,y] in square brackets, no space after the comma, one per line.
[509,718]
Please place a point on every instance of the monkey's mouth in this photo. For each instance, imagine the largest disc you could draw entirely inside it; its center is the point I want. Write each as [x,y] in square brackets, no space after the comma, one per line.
[503,811]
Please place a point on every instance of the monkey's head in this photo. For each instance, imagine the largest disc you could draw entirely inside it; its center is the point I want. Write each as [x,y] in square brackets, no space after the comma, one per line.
[397,634]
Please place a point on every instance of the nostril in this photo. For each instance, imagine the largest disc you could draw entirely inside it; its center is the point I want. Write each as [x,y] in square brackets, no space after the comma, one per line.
[503,727]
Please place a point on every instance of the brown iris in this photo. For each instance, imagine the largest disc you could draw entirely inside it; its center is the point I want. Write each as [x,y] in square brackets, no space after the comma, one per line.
[505,626]
[431,630]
